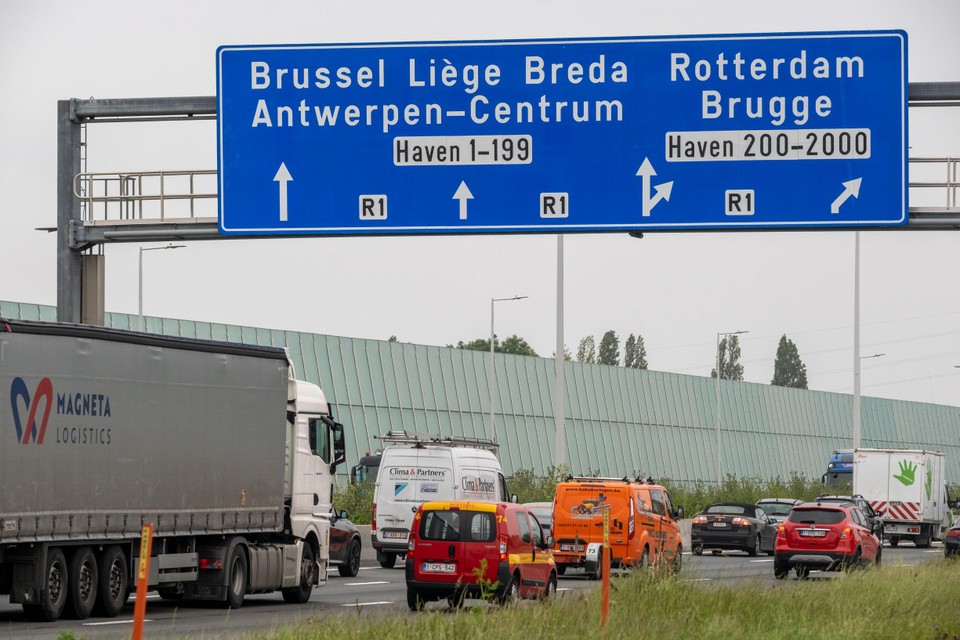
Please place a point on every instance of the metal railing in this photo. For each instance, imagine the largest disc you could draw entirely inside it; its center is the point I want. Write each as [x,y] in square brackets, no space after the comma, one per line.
[949,168]
[152,196]
[185,196]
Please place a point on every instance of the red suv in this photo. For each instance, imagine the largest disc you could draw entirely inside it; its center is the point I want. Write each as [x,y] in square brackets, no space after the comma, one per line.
[824,536]
[478,550]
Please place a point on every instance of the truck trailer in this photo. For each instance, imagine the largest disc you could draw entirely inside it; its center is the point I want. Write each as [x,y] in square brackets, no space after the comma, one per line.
[214,444]
[907,487]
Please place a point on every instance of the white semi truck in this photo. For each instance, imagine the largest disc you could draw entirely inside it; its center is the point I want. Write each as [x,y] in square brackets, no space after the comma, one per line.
[215,444]
[909,487]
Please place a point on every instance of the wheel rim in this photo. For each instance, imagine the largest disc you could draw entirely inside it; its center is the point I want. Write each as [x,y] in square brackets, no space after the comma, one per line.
[55,577]
[85,581]
[115,580]
[756,546]
[355,558]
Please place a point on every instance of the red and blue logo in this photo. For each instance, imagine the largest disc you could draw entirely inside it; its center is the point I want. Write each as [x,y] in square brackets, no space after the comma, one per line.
[44,393]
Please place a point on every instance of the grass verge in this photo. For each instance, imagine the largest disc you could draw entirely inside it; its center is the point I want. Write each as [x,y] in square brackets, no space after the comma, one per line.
[892,602]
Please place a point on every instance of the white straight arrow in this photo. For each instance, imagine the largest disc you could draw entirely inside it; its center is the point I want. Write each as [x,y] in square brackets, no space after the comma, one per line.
[283,177]
[850,188]
[463,194]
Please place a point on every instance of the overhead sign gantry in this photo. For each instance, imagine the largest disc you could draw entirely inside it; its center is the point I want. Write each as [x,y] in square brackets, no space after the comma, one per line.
[801,130]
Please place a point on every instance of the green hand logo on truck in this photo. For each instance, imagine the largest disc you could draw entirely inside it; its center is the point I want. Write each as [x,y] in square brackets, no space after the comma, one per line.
[908,473]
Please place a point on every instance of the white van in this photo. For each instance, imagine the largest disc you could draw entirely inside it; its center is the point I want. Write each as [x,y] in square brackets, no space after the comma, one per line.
[416,468]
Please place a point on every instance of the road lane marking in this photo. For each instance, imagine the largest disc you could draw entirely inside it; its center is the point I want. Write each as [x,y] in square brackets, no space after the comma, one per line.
[363,584]
[366,604]
[764,560]
[103,624]
[696,580]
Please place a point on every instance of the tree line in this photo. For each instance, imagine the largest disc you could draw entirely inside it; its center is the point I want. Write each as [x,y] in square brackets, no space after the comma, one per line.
[788,368]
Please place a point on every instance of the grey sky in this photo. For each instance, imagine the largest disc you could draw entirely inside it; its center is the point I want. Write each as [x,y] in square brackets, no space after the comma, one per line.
[677,290]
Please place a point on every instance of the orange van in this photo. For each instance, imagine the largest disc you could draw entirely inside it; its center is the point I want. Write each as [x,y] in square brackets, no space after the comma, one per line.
[643,524]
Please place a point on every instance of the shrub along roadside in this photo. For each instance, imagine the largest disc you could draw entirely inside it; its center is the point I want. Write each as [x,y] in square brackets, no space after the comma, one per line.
[530,487]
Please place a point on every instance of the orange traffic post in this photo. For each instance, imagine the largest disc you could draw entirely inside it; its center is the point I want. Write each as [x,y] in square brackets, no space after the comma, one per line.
[605,573]
[143,578]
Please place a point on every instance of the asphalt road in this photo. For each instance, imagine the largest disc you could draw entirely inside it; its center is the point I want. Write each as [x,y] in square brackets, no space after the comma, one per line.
[376,592]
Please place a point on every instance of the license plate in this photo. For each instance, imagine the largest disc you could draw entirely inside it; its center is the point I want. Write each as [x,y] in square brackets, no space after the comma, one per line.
[813,533]
[571,547]
[719,525]
[438,567]
[393,535]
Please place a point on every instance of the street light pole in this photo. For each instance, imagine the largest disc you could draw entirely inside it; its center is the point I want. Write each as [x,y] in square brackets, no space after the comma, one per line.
[491,374]
[140,280]
[716,416]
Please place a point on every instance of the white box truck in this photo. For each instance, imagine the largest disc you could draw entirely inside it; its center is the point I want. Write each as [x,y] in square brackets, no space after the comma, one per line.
[215,444]
[418,467]
[909,487]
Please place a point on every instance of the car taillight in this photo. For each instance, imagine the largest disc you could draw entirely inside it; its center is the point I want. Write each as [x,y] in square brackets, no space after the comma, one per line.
[373,520]
[410,545]
[741,522]
[782,532]
[700,520]
[846,533]
[503,548]
[953,533]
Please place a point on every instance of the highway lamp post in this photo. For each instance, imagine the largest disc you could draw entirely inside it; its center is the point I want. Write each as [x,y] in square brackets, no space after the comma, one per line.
[140,280]
[716,416]
[491,373]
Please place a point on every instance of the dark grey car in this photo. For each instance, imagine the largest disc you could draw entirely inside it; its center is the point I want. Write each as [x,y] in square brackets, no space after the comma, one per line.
[344,544]
[733,525]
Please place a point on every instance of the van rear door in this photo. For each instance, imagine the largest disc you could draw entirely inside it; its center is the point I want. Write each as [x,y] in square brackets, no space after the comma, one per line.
[457,545]
[409,476]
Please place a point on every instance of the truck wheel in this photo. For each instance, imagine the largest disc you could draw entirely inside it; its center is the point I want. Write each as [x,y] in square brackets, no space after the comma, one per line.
[387,560]
[351,566]
[114,582]
[237,577]
[84,585]
[561,569]
[54,589]
[894,541]
[301,593]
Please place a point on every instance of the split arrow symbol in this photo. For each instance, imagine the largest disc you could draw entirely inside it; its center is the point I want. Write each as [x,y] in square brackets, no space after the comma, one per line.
[663,190]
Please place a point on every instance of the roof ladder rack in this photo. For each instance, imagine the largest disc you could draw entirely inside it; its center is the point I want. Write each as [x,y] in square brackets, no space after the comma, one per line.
[405,437]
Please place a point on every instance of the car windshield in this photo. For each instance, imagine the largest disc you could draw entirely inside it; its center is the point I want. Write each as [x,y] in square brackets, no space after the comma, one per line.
[817,516]
[729,509]
[775,508]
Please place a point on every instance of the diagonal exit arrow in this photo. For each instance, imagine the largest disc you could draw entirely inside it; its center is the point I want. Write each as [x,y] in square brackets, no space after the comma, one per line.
[850,188]
[663,191]
[463,194]
[283,177]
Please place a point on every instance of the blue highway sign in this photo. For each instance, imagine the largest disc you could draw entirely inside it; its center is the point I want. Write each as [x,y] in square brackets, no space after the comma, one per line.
[804,130]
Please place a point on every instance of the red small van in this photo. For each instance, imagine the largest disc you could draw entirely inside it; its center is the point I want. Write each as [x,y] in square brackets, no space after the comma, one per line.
[465,549]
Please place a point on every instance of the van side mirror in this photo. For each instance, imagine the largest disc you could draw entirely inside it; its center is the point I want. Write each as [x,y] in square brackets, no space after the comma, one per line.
[548,542]
[344,514]
[678,513]
[513,498]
